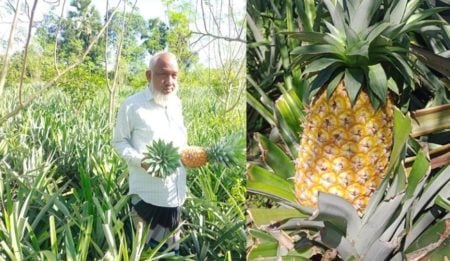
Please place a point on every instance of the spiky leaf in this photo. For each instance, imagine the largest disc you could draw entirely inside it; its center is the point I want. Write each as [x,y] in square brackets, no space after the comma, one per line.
[162,158]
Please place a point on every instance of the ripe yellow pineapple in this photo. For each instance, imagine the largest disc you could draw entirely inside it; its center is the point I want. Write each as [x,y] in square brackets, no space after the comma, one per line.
[353,64]
[344,150]
[224,152]
[194,156]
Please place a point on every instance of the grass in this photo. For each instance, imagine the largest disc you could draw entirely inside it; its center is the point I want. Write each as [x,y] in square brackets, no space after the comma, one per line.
[62,186]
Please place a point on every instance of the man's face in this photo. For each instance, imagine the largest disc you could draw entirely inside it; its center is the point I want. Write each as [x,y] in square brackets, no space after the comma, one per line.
[164,74]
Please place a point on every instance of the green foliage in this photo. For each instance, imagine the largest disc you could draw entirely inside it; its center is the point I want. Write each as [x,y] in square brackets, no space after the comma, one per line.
[268,58]
[156,36]
[162,158]
[179,32]
[410,200]
[62,187]
[215,213]
[82,83]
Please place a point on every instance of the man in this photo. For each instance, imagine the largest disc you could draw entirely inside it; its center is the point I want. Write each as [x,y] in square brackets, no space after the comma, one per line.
[152,114]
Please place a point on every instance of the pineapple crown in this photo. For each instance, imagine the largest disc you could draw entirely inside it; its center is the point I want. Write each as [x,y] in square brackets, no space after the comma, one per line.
[366,43]
[226,151]
[162,158]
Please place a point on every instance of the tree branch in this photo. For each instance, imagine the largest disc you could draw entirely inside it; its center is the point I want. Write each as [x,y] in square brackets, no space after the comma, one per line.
[226,38]
[52,82]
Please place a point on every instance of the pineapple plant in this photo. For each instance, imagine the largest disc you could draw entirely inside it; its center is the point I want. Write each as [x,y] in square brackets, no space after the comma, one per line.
[355,66]
[163,158]
[344,189]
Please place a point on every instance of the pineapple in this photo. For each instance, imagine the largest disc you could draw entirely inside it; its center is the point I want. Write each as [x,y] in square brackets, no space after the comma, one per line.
[358,66]
[226,152]
[163,158]
[194,156]
[344,150]
[354,67]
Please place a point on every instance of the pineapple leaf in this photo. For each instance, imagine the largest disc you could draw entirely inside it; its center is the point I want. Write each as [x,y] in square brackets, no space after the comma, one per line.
[411,7]
[430,240]
[353,80]
[363,15]
[261,109]
[374,100]
[376,32]
[434,186]
[392,86]
[289,114]
[335,33]
[306,11]
[292,105]
[442,202]
[332,237]
[380,250]
[398,183]
[320,64]
[339,212]
[288,135]
[266,250]
[423,14]
[396,13]
[336,12]
[263,216]
[262,181]
[377,81]
[262,235]
[424,222]
[320,80]
[419,169]
[402,67]
[314,49]
[265,100]
[277,160]
[419,25]
[375,224]
[416,183]
[333,84]
[402,128]
[313,37]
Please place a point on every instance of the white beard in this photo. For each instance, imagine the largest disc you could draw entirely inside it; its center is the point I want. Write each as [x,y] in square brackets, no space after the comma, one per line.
[161,98]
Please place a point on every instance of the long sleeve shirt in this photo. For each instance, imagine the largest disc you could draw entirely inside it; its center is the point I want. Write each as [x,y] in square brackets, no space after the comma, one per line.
[140,121]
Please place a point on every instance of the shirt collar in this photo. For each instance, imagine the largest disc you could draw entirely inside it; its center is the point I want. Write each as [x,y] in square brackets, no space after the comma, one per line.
[148,94]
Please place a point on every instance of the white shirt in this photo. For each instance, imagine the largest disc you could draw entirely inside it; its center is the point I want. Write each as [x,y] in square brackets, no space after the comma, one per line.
[140,121]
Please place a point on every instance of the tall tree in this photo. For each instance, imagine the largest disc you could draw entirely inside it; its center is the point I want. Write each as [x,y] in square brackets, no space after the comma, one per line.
[156,38]
[179,33]
[79,28]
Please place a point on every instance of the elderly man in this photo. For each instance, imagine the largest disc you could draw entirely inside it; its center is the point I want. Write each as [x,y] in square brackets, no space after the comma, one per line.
[152,114]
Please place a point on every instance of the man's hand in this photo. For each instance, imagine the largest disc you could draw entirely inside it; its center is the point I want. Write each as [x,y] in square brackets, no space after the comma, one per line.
[144,165]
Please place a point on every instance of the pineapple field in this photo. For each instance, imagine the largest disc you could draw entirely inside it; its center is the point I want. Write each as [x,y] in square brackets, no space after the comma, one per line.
[63,187]
[348,130]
